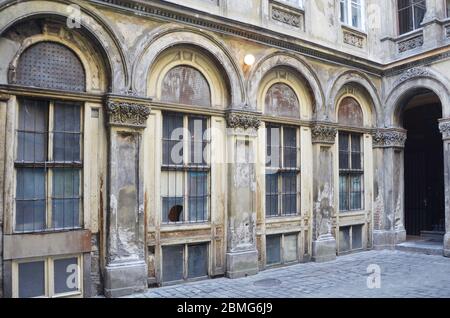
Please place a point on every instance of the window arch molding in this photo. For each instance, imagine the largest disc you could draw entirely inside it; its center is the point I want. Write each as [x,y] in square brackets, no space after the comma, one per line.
[181,56]
[96,78]
[291,79]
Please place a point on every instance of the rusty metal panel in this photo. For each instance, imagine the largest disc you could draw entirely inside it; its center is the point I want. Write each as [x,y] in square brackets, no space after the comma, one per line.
[50,65]
[350,113]
[186,85]
[281,100]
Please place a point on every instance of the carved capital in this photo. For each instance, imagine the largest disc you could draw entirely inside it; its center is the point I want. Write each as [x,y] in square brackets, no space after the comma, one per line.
[389,138]
[127,114]
[323,134]
[444,127]
[243,120]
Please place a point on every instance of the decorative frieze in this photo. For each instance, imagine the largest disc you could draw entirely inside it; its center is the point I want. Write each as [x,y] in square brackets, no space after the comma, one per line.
[411,73]
[127,114]
[389,138]
[323,134]
[243,120]
[444,127]
[288,16]
[353,39]
[410,44]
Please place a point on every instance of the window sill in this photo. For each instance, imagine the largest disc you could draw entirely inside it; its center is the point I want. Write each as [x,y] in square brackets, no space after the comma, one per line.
[283,218]
[359,31]
[184,226]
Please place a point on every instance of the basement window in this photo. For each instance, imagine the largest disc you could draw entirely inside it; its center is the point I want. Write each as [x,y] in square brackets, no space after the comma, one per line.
[281,249]
[350,238]
[184,262]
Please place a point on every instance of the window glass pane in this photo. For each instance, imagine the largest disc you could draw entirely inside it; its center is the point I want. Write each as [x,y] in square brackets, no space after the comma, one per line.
[172,259]
[67,132]
[32,279]
[344,239]
[197,260]
[419,13]
[290,248]
[343,193]
[271,194]
[66,275]
[66,198]
[198,141]
[289,182]
[357,237]
[273,249]
[273,143]
[356,193]
[344,151]
[172,145]
[356,152]
[32,132]
[405,17]
[290,147]
[30,199]
[356,14]
[343,9]
[172,209]
[198,196]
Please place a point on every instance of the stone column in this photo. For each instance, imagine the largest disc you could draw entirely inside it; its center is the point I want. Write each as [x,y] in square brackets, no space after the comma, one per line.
[324,243]
[126,269]
[444,126]
[389,195]
[242,255]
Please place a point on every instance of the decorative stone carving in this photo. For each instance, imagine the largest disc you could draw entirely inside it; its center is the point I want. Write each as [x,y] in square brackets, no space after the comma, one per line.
[389,138]
[243,120]
[353,39]
[286,16]
[411,73]
[323,134]
[444,127]
[127,114]
[410,44]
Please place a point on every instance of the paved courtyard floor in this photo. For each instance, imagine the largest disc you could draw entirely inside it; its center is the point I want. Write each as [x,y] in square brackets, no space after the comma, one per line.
[402,275]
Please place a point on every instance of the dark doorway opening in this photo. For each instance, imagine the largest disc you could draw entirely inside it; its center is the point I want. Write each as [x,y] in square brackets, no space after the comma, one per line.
[424,168]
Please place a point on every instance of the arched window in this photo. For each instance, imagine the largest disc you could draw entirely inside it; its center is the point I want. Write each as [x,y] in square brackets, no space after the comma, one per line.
[186,85]
[51,65]
[350,113]
[281,100]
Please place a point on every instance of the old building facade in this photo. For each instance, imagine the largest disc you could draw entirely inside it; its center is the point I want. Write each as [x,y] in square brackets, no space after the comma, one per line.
[148,142]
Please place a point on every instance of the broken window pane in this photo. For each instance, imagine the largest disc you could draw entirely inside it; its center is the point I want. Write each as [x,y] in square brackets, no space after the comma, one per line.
[67,132]
[66,275]
[32,279]
[32,132]
[172,209]
[273,249]
[197,260]
[172,259]
[198,196]
[271,194]
[172,144]
[357,237]
[30,199]
[290,248]
[66,198]
[344,239]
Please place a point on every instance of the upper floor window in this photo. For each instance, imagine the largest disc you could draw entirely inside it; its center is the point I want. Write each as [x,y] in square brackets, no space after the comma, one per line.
[448,8]
[352,13]
[48,166]
[185,179]
[297,3]
[410,14]
[282,171]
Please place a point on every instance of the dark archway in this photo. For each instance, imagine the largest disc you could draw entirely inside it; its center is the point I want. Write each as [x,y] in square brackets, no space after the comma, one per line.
[424,167]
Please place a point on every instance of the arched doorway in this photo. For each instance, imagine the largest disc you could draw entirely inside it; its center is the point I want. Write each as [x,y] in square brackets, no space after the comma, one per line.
[424,204]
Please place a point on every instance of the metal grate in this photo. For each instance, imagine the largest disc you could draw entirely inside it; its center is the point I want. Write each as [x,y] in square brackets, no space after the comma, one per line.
[51,65]
[186,85]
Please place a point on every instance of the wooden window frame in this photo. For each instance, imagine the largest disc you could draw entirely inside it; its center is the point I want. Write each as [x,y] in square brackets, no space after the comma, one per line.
[282,248]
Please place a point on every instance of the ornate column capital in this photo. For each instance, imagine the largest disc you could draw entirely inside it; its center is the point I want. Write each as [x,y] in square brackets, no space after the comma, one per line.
[444,127]
[389,138]
[323,133]
[127,113]
[242,121]
[4,97]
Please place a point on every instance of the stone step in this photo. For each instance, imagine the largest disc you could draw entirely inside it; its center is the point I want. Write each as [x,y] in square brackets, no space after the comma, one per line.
[437,236]
[424,247]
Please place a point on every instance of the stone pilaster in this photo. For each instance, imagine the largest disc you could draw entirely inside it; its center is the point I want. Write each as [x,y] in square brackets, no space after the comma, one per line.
[324,243]
[389,228]
[126,269]
[444,126]
[432,27]
[242,255]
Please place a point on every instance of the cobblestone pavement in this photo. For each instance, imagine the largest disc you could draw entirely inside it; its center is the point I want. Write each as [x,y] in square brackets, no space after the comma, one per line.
[402,275]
